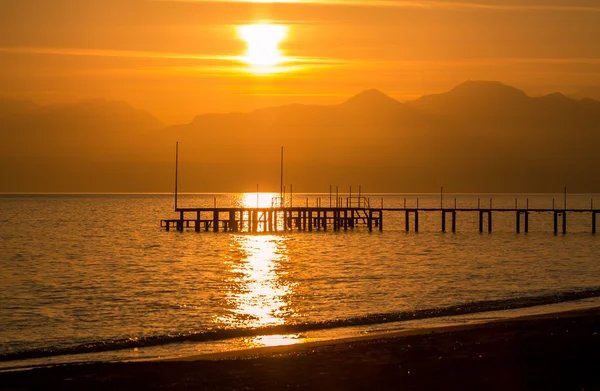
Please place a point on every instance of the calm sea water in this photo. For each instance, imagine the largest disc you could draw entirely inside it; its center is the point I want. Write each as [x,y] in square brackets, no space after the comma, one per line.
[93,277]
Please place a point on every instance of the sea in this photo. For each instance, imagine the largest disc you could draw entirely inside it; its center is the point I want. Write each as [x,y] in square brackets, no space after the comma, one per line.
[94,278]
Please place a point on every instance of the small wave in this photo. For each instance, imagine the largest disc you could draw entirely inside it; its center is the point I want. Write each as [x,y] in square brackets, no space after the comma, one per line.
[150,246]
[372,319]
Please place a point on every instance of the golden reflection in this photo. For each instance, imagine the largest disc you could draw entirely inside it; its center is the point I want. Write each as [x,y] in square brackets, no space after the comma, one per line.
[263,220]
[258,295]
[276,340]
[258,200]
[262,41]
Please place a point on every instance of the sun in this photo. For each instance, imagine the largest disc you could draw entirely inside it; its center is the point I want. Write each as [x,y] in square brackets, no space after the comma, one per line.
[262,40]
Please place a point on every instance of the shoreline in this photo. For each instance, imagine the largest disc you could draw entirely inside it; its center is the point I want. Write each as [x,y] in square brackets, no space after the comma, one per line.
[267,343]
[453,327]
[549,351]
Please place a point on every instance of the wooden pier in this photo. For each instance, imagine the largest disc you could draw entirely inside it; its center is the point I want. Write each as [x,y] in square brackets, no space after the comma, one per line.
[275,219]
[318,218]
[354,213]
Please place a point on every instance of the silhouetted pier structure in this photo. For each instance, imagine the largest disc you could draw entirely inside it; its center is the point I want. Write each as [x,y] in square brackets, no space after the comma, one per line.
[485,217]
[354,213]
[279,218]
[351,216]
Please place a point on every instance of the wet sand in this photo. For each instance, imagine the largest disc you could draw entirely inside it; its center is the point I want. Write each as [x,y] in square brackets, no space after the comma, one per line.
[546,352]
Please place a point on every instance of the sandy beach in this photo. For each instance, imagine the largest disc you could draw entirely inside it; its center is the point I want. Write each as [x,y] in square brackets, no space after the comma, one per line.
[546,352]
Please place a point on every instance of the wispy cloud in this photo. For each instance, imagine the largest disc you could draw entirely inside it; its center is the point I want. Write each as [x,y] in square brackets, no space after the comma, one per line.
[197,63]
[289,59]
[423,4]
[114,53]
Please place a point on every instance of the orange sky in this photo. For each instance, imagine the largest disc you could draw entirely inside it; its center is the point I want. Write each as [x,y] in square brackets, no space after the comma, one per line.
[178,58]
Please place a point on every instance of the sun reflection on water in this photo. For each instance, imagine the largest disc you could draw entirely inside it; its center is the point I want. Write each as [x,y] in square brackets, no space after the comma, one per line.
[258,292]
[257,200]
[276,340]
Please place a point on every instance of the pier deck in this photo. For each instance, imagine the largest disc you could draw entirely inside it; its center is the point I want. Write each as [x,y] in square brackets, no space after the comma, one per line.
[275,219]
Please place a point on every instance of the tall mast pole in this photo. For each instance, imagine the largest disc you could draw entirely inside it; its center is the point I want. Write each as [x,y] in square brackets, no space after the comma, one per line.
[281,179]
[176,171]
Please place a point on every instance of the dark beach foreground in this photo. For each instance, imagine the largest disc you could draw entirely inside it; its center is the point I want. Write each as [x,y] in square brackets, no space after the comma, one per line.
[549,352]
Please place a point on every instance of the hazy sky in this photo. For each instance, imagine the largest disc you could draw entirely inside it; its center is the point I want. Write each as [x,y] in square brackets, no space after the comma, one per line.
[181,58]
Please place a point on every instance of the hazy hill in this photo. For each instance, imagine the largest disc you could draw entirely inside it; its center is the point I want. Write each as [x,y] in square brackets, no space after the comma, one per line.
[592,92]
[90,128]
[477,99]
[480,136]
[74,147]
[10,107]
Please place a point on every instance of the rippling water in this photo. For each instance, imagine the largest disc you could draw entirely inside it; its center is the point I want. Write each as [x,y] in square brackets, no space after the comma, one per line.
[91,273]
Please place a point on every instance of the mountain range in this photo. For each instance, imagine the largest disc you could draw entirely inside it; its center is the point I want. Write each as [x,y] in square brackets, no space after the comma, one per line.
[481,136]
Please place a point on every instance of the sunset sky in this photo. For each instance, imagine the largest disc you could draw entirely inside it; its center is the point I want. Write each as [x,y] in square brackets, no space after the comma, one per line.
[181,58]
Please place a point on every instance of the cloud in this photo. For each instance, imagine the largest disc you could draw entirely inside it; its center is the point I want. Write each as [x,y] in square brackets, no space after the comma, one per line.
[184,63]
[423,4]
[113,53]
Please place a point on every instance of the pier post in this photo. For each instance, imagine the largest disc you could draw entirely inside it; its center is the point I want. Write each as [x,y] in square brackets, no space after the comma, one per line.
[407,221]
[324,221]
[254,220]
[197,225]
[490,221]
[564,222]
[215,221]
[310,220]
[370,221]
[352,219]
[444,221]
[180,222]
[454,221]
[526,221]
[480,220]
[416,220]
[381,220]
[555,223]
[270,220]
[346,220]
[233,224]
[334,219]
[303,213]
[593,222]
[518,221]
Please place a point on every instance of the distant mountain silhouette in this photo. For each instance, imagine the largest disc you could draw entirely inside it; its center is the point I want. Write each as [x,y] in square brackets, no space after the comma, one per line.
[10,107]
[480,136]
[592,92]
[82,128]
[73,147]
[372,99]
[485,99]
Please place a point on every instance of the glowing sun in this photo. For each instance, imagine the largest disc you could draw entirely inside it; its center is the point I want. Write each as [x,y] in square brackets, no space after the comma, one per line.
[262,42]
